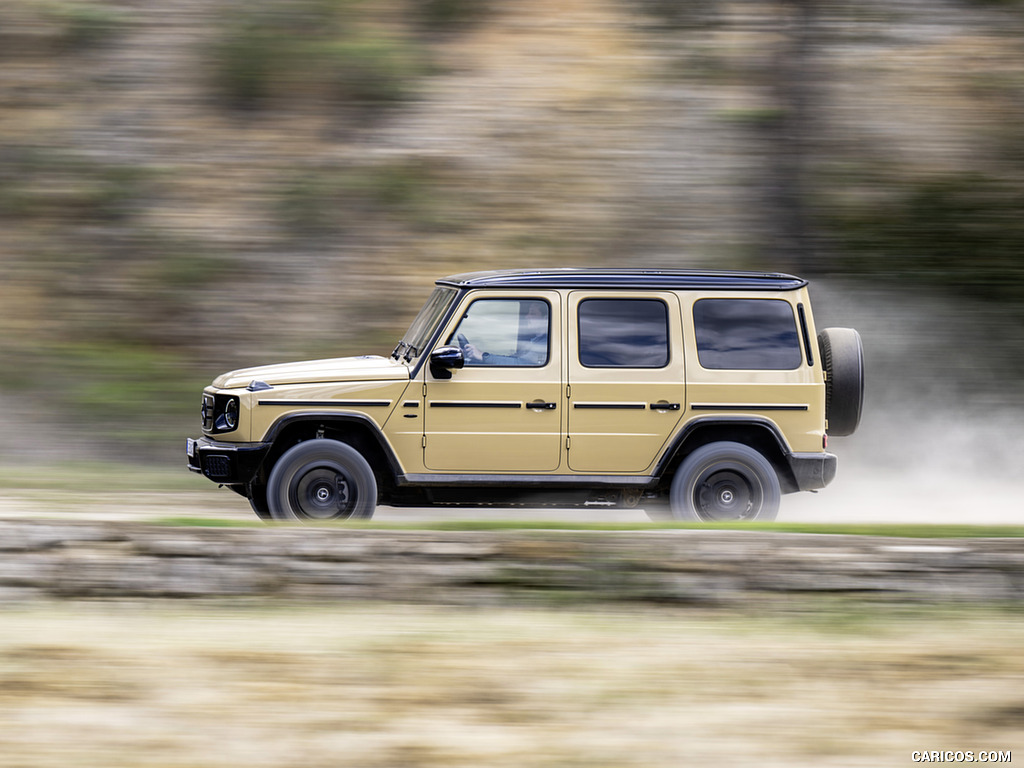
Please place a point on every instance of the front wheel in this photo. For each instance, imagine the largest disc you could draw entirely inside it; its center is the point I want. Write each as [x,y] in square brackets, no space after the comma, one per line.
[722,482]
[321,480]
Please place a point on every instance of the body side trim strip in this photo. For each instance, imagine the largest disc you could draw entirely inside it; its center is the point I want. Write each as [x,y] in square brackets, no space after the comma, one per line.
[472,404]
[746,407]
[611,406]
[329,403]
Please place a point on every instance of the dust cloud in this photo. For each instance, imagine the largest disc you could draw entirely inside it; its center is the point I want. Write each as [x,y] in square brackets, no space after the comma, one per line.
[941,438]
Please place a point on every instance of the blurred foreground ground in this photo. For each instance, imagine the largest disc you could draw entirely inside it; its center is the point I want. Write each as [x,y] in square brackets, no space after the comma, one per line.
[388,686]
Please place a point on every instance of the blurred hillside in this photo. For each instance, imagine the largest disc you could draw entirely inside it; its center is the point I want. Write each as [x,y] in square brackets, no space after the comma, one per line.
[188,187]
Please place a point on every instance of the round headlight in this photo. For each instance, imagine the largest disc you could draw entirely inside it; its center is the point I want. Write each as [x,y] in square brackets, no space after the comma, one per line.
[231,414]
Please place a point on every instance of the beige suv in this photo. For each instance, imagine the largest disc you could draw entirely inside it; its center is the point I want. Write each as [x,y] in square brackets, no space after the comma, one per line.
[695,395]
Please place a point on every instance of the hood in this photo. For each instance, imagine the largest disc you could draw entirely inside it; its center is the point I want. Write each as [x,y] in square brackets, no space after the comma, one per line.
[367,368]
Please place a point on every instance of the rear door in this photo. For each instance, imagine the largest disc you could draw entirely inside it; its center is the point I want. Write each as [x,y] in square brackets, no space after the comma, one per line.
[625,378]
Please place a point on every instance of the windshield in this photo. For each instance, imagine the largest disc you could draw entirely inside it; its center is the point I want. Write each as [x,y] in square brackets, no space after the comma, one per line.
[423,326]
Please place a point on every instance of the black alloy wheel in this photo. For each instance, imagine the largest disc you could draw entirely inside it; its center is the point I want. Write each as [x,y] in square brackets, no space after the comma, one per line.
[725,482]
[321,480]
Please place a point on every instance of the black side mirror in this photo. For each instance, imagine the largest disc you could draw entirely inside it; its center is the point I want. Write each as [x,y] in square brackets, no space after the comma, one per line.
[444,360]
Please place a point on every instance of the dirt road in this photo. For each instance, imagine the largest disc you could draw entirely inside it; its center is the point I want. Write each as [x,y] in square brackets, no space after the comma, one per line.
[905,498]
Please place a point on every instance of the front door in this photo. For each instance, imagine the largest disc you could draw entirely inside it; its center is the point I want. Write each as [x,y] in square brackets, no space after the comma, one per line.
[625,363]
[502,412]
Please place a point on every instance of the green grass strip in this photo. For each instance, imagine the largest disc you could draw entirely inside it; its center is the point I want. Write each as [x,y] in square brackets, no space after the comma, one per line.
[903,530]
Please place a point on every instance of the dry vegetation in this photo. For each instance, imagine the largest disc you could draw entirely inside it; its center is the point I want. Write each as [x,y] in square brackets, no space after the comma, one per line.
[388,687]
[192,186]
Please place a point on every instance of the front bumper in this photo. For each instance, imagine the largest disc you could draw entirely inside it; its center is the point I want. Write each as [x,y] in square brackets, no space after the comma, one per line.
[812,470]
[225,463]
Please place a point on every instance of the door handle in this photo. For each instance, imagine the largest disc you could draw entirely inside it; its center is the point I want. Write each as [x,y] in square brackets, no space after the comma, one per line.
[665,406]
[540,405]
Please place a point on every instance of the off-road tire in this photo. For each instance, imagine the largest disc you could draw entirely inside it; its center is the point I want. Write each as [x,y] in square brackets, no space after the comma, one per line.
[321,480]
[842,355]
[725,482]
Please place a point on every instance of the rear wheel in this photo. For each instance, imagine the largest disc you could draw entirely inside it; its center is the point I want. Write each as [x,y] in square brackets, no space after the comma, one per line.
[321,480]
[726,481]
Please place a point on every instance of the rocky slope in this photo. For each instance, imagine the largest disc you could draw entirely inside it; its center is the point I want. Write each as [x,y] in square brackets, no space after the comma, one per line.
[187,187]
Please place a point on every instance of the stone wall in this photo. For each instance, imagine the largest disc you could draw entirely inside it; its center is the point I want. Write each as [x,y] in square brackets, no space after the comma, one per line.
[47,560]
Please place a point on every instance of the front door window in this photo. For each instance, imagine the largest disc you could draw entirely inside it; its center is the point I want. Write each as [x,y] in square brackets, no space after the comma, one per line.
[505,332]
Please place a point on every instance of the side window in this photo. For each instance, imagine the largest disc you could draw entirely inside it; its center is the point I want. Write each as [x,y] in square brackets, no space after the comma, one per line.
[623,333]
[504,332]
[746,334]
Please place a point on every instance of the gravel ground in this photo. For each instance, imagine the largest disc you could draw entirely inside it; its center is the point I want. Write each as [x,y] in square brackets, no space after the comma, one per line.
[905,498]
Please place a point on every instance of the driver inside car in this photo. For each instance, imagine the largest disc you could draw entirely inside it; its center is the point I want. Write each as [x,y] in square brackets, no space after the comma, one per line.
[532,346]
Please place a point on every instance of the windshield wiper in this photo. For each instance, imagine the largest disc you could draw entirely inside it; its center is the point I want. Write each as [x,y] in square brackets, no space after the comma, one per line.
[411,352]
[397,351]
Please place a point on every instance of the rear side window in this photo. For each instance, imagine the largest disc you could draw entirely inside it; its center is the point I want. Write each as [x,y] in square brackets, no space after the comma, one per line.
[623,333]
[746,334]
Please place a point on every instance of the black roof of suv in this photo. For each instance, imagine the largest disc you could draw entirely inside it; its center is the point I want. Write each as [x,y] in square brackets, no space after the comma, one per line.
[671,279]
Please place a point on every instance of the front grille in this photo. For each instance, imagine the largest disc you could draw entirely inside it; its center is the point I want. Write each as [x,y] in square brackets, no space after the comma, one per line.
[216,466]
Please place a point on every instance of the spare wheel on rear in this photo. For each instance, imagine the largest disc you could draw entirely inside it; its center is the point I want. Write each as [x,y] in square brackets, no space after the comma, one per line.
[842,355]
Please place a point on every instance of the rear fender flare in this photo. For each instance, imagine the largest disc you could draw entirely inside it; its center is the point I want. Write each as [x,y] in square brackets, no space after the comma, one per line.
[728,428]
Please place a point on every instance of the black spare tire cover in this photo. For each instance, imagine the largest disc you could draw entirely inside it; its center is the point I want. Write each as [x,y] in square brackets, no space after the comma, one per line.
[842,354]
